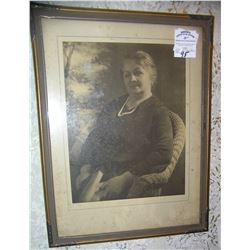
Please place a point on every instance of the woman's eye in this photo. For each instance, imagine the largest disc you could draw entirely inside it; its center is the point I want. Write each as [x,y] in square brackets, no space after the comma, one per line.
[126,75]
[137,73]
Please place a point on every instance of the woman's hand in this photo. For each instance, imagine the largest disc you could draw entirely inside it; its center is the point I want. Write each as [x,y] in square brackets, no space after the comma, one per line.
[114,187]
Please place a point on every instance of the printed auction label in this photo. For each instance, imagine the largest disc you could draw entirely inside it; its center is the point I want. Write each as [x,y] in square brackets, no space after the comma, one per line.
[185,43]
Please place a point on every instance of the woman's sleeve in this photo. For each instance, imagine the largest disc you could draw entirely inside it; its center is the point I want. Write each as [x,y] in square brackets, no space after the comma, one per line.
[95,149]
[161,144]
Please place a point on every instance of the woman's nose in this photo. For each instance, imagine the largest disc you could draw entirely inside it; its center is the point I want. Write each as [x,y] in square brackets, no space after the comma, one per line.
[133,78]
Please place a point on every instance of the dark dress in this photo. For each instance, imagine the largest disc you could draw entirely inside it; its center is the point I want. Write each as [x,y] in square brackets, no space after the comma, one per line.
[140,142]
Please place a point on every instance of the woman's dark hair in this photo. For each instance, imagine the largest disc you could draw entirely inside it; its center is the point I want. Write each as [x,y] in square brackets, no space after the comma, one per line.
[145,60]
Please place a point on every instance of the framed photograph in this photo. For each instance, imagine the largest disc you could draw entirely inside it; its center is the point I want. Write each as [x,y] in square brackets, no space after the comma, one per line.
[124,116]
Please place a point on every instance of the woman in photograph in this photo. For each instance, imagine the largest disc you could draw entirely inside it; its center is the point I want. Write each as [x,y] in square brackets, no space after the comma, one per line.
[133,137]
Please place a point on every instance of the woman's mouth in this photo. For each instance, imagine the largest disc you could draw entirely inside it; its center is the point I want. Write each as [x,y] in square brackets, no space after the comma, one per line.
[134,85]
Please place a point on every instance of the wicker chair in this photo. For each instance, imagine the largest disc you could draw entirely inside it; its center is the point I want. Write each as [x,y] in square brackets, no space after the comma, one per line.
[153,183]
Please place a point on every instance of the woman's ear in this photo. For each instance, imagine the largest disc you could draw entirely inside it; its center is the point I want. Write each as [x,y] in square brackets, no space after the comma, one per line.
[153,83]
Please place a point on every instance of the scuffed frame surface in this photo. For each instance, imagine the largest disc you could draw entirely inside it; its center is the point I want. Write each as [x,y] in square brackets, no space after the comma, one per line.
[204,240]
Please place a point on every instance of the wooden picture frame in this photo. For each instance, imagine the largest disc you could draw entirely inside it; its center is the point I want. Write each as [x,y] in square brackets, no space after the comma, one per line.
[106,172]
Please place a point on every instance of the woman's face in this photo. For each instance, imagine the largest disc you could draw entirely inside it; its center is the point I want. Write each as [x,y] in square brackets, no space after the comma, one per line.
[137,79]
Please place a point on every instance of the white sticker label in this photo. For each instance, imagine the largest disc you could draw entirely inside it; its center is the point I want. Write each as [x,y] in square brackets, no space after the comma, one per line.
[185,43]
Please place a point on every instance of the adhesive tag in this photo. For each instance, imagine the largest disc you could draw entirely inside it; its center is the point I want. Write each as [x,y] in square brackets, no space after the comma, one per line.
[185,43]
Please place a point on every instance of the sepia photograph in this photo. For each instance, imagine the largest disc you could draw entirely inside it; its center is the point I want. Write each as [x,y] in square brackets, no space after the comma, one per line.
[125,117]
